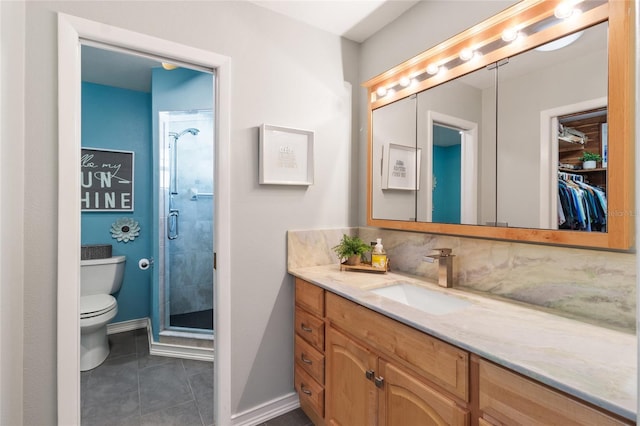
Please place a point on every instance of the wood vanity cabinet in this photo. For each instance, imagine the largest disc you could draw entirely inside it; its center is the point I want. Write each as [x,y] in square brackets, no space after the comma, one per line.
[507,398]
[309,349]
[379,371]
[354,366]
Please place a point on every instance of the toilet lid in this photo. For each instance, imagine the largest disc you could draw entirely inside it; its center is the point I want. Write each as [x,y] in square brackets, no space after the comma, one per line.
[96,304]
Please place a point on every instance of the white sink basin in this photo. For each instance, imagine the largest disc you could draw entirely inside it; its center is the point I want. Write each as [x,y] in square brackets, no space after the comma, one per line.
[426,300]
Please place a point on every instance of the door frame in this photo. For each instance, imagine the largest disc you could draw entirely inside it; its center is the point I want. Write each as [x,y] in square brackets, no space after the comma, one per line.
[71,30]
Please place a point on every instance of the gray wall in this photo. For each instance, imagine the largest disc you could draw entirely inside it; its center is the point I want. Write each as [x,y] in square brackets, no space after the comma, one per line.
[12,199]
[284,73]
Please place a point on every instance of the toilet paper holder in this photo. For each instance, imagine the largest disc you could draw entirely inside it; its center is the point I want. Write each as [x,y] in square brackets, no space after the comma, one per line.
[145,263]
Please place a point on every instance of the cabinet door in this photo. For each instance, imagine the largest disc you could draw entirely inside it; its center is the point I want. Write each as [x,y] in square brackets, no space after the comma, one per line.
[512,399]
[404,400]
[350,395]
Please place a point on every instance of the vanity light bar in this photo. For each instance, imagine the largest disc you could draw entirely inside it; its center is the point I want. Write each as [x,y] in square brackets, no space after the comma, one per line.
[563,11]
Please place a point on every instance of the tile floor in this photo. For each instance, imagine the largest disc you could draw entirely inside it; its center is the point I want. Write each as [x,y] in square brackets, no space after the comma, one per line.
[134,388]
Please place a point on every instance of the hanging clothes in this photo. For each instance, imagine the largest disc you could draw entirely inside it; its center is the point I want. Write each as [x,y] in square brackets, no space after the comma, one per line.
[581,206]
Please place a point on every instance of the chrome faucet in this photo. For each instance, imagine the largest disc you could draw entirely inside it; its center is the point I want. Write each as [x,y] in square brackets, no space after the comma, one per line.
[445,266]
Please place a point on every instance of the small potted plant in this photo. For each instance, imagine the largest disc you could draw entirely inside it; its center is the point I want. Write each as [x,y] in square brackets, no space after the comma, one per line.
[589,160]
[351,249]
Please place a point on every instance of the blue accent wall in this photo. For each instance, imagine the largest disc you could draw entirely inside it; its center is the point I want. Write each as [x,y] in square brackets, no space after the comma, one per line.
[120,119]
[446,169]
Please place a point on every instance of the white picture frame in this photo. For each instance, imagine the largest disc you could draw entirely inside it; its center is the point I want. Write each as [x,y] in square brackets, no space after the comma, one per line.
[286,156]
[401,167]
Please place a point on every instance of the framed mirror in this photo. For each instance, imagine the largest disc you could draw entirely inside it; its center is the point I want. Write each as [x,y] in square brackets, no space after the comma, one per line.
[504,166]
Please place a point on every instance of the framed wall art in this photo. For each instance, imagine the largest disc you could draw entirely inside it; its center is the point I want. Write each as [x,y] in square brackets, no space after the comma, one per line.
[106,180]
[286,156]
[401,167]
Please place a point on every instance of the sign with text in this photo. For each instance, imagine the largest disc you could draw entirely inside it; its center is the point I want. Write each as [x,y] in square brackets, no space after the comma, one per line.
[106,180]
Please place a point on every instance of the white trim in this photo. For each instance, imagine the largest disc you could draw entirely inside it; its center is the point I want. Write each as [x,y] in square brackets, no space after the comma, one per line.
[267,411]
[123,326]
[68,350]
[468,165]
[70,30]
[179,351]
[549,157]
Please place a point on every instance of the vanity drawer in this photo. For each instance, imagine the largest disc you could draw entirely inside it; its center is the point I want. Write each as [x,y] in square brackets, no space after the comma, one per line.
[310,328]
[441,363]
[311,393]
[511,399]
[310,297]
[309,359]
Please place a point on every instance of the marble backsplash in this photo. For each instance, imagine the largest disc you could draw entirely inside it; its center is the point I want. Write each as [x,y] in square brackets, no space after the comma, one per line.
[589,285]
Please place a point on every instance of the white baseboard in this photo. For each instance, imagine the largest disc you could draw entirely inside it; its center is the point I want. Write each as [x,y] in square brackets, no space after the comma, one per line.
[266,411]
[179,351]
[121,327]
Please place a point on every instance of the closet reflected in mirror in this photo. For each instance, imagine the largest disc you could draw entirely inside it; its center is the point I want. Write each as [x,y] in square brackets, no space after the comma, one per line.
[552,103]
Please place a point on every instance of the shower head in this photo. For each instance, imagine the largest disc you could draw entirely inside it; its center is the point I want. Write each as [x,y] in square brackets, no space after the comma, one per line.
[191,130]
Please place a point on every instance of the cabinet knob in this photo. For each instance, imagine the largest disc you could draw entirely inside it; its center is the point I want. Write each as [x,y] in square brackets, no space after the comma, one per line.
[305,360]
[304,390]
[370,374]
[305,328]
[379,381]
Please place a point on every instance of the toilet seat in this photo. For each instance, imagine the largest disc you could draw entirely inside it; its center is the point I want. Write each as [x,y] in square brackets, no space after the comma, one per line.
[96,305]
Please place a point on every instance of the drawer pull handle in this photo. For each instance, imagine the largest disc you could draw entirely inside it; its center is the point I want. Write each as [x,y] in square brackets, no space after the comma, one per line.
[305,328]
[379,381]
[370,374]
[305,391]
[305,360]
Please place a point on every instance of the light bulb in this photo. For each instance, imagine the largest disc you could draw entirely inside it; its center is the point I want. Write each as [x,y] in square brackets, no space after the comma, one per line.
[381,91]
[510,34]
[433,69]
[466,54]
[405,81]
[564,10]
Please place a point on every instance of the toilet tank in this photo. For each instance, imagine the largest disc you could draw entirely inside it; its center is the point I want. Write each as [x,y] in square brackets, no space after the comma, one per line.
[101,276]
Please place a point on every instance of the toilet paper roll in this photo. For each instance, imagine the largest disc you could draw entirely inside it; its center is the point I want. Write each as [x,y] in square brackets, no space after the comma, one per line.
[144,264]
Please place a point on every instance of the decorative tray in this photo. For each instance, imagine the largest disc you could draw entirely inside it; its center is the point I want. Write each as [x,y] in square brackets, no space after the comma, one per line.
[363,267]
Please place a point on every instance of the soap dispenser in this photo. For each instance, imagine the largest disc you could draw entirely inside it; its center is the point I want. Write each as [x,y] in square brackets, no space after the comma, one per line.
[379,256]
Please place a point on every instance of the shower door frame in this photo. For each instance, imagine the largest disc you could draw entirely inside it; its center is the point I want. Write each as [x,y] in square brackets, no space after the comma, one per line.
[71,31]
[163,275]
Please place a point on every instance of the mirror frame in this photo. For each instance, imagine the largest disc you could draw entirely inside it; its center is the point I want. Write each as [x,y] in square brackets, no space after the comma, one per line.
[621,111]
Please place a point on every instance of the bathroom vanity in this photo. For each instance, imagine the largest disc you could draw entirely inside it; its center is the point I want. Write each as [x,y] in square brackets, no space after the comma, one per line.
[364,358]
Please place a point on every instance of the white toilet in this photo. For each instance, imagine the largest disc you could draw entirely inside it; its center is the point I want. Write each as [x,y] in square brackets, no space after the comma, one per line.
[99,279]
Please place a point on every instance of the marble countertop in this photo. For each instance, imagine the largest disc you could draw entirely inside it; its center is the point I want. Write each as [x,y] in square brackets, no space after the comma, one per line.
[593,363]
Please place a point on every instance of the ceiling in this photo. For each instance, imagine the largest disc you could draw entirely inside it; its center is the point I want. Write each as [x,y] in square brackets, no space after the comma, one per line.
[356,20]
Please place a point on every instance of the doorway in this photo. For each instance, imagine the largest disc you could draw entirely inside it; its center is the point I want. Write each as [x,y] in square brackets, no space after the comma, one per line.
[550,154]
[71,31]
[452,169]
